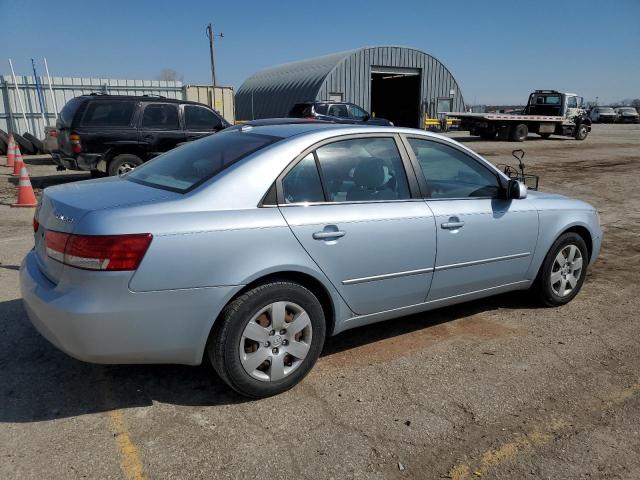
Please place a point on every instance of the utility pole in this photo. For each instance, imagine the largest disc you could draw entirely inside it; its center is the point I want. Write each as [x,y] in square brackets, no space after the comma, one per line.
[211,35]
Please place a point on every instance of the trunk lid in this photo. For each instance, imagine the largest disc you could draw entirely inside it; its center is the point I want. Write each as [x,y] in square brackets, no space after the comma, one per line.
[62,207]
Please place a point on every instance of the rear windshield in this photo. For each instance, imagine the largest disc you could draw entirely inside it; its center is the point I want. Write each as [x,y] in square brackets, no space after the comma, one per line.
[113,113]
[300,110]
[186,167]
[546,100]
[69,110]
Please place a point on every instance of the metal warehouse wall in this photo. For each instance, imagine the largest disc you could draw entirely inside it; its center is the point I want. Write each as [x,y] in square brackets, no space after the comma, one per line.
[272,92]
[64,89]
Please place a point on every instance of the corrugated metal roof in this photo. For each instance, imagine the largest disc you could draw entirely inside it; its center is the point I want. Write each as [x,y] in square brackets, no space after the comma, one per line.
[273,91]
[285,85]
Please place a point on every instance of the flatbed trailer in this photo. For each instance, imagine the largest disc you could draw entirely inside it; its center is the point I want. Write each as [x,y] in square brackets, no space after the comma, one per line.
[547,113]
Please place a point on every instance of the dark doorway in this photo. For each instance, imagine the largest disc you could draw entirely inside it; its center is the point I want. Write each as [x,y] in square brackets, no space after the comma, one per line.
[396,97]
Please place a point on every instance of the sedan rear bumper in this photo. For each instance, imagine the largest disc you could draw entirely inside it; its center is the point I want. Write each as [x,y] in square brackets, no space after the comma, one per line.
[94,317]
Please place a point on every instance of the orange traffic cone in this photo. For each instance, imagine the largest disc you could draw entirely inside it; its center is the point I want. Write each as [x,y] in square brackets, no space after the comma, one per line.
[11,152]
[26,197]
[19,163]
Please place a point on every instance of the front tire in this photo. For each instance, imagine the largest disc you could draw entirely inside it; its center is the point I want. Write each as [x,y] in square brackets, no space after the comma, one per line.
[124,163]
[581,132]
[268,339]
[563,271]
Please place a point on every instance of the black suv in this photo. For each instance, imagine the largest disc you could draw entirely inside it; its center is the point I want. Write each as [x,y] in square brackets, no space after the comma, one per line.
[337,112]
[114,133]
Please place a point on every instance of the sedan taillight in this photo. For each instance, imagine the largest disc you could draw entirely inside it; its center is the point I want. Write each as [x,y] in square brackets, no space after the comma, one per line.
[98,252]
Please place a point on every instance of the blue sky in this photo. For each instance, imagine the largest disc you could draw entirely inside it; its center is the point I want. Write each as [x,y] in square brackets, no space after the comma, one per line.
[497,50]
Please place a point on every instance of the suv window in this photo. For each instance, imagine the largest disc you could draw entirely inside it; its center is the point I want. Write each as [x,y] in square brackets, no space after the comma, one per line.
[186,167]
[321,108]
[69,110]
[451,173]
[200,118]
[358,113]
[302,183]
[363,169]
[339,110]
[160,117]
[108,113]
[300,110]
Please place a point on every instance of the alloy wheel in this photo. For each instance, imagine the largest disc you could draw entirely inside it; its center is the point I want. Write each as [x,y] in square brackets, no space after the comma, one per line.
[275,341]
[566,270]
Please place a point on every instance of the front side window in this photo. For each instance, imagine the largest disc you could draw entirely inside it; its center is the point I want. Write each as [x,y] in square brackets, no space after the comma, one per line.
[200,118]
[363,169]
[108,114]
[339,111]
[358,113]
[186,167]
[302,183]
[572,102]
[451,173]
[160,117]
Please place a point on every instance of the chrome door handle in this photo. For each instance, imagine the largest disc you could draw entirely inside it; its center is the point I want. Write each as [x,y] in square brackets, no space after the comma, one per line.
[325,235]
[452,225]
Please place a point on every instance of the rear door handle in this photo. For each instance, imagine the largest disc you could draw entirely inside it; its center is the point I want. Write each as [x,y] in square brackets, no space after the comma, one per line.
[452,225]
[328,234]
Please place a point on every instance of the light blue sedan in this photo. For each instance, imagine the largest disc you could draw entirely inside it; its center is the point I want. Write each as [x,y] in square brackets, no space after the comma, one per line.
[252,245]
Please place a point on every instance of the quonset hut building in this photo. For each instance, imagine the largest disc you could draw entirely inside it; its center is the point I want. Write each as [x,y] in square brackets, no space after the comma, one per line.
[401,84]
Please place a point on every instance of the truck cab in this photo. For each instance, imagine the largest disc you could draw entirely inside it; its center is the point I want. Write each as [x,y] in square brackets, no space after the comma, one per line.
[554,103]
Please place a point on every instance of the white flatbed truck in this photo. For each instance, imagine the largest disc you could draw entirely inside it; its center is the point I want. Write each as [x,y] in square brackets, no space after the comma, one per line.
[548,112]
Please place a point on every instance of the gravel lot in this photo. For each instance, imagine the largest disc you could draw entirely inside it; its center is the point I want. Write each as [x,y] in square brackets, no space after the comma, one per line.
[496,388]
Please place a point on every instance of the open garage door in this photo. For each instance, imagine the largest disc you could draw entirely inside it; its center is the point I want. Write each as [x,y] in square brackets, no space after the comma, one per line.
[395,95]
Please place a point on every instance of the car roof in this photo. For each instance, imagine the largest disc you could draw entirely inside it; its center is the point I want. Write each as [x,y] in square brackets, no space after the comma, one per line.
[143,98]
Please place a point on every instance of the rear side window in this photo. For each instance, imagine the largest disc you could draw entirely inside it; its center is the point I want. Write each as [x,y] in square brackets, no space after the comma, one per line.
[108,114]
[69,111]
[363,170]
[300,110]
[200,118]
[186,167]
[302,183]
[160,117]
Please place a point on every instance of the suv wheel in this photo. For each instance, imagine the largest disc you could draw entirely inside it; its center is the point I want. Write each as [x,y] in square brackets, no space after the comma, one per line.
[267,340]
[563,271]
[121,164]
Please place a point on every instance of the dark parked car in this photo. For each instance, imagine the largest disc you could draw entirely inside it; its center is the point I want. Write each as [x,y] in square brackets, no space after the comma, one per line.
[115,134]
[627,115]
[337,112]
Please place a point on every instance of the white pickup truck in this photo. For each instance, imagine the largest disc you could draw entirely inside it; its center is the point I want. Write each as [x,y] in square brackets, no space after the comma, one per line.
[548,112]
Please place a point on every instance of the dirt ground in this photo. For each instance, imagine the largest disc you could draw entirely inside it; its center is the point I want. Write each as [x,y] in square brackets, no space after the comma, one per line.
[497,388]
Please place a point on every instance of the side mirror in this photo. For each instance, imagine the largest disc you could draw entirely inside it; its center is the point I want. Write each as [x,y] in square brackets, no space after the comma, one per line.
[516,190]
[366,118]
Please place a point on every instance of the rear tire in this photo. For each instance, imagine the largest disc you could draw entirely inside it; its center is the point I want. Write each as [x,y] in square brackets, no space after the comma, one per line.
[582,131]
[487,134]
[519,133]
[558,283]
[283,355]
[121,164]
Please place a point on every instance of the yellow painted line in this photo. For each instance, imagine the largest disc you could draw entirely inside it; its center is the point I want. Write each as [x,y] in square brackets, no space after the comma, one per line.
[130,462]
[536,438]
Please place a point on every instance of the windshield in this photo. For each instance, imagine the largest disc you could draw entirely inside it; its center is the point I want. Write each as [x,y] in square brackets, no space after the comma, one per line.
[186,167]
[628,110]
[605,109]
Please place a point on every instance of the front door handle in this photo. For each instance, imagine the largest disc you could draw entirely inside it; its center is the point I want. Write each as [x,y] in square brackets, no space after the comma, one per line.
[330,232]
[455,225]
